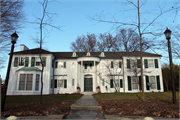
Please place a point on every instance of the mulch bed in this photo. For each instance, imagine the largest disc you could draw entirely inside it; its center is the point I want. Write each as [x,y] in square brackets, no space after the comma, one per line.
[37,109]
[138,107]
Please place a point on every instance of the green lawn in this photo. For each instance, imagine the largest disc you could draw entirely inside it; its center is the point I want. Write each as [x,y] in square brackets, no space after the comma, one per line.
[151,95]
[27,99]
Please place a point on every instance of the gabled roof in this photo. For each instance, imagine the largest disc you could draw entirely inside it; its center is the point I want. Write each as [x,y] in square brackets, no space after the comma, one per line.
[68,55]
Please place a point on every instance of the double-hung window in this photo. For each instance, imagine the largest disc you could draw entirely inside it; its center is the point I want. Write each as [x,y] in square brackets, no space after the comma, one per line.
[134,83]
[151,63]
[21,61]
[38,61]
[153,82]
[25,81]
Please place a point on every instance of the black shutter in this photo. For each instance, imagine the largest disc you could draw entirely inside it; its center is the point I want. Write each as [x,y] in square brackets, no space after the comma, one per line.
[111,83]
[55,83]
[121,83]
[65,83]
[15,61]
[146,63]
[44,61]
[64,64]
[120,64]
[140,84]
[156,63]
[138,63]
[85,66]
[158,83]
[56,64]
[147,81]
[32,61]
[128,63]
[26,61]
[129,83]
[112,64]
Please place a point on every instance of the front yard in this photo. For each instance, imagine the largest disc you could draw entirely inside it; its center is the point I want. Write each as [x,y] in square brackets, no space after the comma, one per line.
[129,104]
[29,105]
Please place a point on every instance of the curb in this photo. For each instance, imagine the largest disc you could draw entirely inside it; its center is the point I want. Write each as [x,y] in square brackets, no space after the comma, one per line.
[40,117]
[135,117]
[77,107]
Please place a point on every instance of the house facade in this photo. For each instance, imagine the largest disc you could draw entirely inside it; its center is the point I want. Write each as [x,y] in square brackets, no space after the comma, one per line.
[65,71]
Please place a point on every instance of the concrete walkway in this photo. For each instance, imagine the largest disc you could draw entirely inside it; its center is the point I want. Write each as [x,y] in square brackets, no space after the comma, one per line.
[85,108]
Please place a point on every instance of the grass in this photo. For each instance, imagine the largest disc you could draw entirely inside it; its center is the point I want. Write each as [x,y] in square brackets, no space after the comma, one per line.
[27,99]
[151,95]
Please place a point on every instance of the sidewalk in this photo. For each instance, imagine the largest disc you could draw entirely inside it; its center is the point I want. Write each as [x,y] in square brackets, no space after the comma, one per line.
[85,108]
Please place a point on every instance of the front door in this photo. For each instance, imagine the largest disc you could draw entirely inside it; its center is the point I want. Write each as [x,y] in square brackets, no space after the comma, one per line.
[88,82]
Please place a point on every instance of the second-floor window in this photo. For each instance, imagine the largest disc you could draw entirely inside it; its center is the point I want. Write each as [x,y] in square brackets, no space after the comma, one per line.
[21,61]
[38,61]
[60,64]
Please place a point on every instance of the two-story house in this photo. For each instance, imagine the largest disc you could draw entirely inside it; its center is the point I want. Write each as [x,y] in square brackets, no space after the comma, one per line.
[110,71]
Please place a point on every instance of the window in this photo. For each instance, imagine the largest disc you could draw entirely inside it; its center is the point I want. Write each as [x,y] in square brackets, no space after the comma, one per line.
[91,66]
[38,61]
[72,82]
[21,61]
[134,83]
[151,63]
[60,64]
[152,80]
[85,66]
[37,82]
[111,83]
[117,83]
[128,63]
[25,82]
[88,54]
[74,54]
[60,83]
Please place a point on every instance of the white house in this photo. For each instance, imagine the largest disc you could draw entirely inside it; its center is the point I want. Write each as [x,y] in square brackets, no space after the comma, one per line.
[84,69]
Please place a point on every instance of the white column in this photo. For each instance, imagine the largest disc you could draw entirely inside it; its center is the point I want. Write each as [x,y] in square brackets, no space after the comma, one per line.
[94,78]
[77,78]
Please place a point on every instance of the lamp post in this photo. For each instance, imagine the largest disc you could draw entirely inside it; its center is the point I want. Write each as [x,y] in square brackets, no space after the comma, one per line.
[14,38]
[168,37]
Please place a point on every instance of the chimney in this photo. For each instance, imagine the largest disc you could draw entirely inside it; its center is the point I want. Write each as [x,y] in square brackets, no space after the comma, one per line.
[23,47]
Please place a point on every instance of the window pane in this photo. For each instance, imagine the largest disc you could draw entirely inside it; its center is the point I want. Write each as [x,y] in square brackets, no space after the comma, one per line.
[151,63]
[21,61]
[117,83]
[38,61]
[22,81]
[29,81]
[37,82]
[152,80]
[134,83]
[60,83]
[60,64]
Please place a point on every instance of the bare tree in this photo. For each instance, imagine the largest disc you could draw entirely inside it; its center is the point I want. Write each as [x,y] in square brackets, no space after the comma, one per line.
[111,71]
[44,21]
[128,41]
[107,43]
[135,20]
[84,43]
[12,17]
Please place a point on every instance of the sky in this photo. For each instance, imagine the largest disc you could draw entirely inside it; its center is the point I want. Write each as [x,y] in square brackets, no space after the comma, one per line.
[73,17]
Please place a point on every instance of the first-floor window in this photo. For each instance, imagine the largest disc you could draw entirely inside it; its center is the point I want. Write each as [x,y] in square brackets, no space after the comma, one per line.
[25,81]
[117,83]
[152,80]
[134,82]
[37,82]
[60,83]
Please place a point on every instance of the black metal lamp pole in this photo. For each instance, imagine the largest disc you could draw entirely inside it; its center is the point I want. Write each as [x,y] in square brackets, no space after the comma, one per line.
[168,37]
[14,38]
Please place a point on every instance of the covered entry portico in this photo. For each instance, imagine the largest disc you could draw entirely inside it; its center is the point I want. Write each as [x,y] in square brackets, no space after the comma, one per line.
[86,73]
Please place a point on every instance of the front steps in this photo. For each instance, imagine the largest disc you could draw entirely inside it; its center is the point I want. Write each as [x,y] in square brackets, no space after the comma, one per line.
[87,93]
